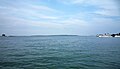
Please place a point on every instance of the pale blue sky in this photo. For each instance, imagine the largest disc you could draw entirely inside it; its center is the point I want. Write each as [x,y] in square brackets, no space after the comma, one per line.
[59,17]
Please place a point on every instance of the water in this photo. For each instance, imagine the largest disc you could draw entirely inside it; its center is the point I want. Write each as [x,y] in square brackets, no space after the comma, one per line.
[59,52]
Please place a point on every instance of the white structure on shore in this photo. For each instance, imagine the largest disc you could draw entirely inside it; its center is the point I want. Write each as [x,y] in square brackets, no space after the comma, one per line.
[108,35]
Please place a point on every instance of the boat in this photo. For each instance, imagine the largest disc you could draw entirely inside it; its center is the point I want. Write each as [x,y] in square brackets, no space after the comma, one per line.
[105,36]
[108,35]
[117,36]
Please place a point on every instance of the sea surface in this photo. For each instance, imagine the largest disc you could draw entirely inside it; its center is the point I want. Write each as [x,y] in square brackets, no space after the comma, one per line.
[59,52]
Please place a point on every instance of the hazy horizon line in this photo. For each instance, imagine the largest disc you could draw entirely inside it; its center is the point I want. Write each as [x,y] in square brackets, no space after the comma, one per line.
[49,35]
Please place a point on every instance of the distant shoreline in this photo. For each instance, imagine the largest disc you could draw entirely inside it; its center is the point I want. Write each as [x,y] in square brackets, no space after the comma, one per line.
[44,35]
[37,35]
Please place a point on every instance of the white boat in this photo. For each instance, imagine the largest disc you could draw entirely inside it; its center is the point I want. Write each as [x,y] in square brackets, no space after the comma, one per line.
[104,36]
[117,36]
[108,35]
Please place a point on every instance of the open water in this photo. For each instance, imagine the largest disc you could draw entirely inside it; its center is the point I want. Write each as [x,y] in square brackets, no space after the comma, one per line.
[59,52]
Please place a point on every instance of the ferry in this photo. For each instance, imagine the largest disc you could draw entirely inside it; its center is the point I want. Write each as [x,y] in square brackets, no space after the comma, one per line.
[117,36]
[108,35]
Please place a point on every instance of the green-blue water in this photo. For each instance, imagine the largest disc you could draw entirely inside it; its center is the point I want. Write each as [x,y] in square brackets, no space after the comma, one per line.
[59,52]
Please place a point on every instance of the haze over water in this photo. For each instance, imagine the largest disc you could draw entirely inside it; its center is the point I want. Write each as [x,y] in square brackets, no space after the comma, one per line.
[59,52]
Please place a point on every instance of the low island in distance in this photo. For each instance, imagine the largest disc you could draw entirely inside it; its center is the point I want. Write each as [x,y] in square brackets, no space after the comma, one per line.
[98,35]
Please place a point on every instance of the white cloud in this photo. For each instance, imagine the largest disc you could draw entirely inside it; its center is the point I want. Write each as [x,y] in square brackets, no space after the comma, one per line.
[72,1]
[74,22]
[108,12]
[104,7]
[43,12]
[42,8]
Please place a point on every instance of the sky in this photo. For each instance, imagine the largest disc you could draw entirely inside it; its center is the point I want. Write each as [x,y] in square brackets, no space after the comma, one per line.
[59,17]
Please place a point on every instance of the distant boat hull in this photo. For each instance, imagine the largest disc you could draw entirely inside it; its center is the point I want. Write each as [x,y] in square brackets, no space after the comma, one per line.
[107,36]
[117,36]
[104,36]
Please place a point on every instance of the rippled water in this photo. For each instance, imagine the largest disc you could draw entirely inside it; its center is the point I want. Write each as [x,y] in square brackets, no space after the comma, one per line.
[59,52]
